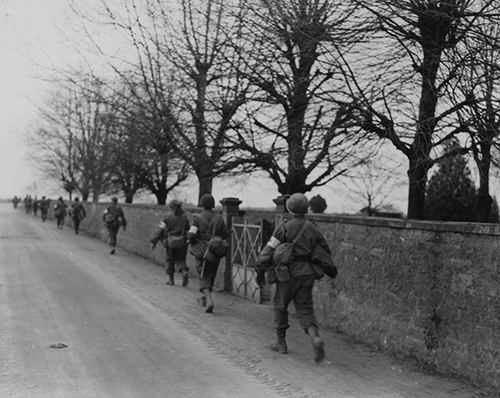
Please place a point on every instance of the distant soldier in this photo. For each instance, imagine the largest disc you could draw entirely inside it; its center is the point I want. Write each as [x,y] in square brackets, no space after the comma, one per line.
[60,211]
[28,203]
[44,207]
[15,201]
[207,227]
[35,206]
[172,232]
[77,213]
[295,279]
[113,218]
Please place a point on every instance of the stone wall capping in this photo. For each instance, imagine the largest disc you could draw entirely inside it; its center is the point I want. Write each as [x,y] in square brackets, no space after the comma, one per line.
[425,225]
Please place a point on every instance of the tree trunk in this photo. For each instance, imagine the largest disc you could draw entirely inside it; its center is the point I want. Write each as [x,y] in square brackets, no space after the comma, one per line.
[295,182]
[484,199]
[417,178]
[129,197]
[161,195]
[433,39]
[205,185]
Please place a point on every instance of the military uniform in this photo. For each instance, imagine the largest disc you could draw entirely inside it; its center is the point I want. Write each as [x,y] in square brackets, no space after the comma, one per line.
[77,214]
[302,274]
[36,203]
[174,225]
[60,212]
[44,207]
[113,218]
[206,225]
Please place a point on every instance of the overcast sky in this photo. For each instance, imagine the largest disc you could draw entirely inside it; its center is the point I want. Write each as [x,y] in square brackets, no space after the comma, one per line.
[29,41]
[32,38]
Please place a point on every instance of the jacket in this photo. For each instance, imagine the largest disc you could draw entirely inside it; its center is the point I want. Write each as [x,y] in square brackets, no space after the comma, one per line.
[311,241]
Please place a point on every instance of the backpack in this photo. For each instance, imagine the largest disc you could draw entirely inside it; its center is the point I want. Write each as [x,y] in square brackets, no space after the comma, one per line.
[111,216]
[217,245]
[283,256]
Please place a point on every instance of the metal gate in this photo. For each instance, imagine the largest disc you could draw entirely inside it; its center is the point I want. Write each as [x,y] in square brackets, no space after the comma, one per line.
[246,243]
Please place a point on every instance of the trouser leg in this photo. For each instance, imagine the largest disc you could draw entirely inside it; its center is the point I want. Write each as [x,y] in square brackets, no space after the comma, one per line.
[282,296]
[170,264]
[207,278]
[207,275]
[112,232]
[303,302]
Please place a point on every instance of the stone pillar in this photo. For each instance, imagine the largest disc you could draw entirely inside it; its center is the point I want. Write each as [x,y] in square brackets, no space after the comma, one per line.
[230,209]
[280,202]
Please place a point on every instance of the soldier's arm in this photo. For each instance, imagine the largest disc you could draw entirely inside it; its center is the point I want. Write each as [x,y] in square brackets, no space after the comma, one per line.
[193,230]
[159,232]
[265,259]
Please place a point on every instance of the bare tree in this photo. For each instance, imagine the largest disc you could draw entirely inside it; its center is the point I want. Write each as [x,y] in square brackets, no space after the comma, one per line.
[374,183]
[481,118]
[73,143]
[143,157]
[298,126]
[187,85]
[412,64]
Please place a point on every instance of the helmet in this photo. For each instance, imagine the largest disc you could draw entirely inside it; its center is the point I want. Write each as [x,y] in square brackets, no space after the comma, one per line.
[174,203]
[207,201]
[297,203]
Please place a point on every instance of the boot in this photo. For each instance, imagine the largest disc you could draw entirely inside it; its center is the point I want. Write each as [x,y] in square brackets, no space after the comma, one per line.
[280,344]
[185,279]
[317,343]
[209,300]
[170,281]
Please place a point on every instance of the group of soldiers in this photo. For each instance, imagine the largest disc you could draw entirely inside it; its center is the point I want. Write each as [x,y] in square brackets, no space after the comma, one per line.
[295,256]
[32,205]
[205,237]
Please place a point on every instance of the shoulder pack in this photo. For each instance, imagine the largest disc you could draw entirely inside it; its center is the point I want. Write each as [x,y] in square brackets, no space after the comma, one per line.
[217,245]
[283,256]
[111,216]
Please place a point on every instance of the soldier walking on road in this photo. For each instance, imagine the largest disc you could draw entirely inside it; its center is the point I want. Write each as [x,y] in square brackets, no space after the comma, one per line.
[206,235]
[15,201]
[28,203]
[172,232]
[60,212]
[44,207]
[77,214]
[114,218]
[36,203]
[295,281]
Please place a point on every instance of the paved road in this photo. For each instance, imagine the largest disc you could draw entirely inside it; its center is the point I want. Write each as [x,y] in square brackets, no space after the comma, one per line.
[130,335]
[118,344]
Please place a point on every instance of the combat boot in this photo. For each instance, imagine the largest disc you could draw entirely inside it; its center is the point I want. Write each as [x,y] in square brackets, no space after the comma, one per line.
[317,343]
[170,281]
[280,344]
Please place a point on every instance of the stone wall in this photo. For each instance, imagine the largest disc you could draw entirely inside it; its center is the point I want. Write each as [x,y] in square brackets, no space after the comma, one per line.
[422,289]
